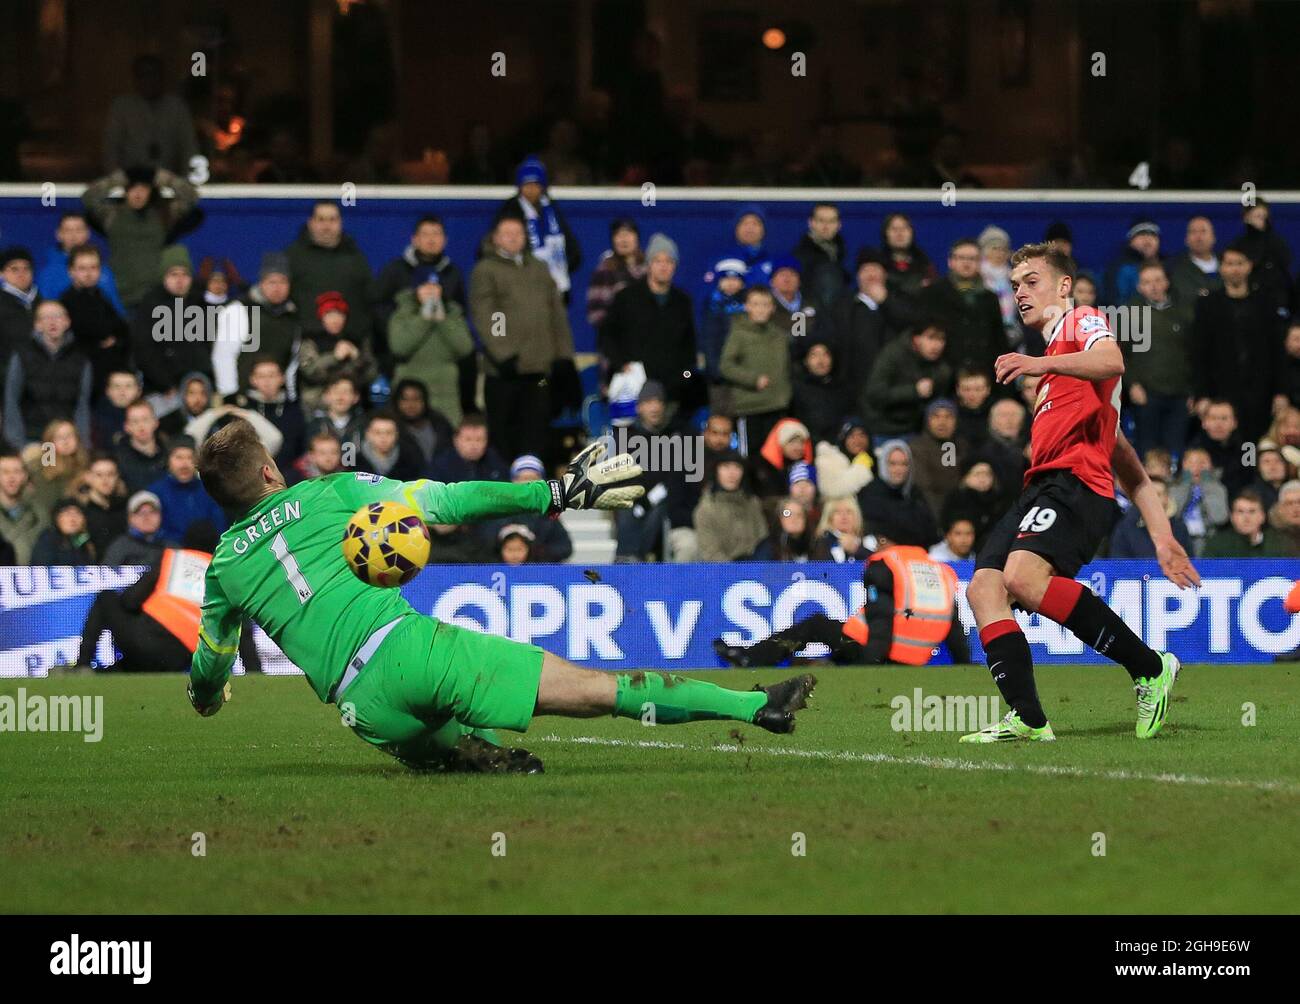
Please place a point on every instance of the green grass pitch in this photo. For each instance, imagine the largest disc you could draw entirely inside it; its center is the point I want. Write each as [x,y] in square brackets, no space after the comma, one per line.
[300,816]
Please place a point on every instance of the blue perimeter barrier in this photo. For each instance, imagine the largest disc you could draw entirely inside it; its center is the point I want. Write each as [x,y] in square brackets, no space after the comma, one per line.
[666,616]
[243,221]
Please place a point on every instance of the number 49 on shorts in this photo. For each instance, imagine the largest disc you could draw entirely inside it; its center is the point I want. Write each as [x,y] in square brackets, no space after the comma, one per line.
[1037,519]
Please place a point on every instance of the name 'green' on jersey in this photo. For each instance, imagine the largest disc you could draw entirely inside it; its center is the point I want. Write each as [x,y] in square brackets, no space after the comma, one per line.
[282,565]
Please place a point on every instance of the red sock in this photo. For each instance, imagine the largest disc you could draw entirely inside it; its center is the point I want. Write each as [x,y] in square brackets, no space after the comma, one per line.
[996,630]
[1095,624]
[1060,599]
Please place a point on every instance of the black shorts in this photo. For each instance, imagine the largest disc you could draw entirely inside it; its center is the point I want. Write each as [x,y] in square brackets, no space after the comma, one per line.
[1057,517]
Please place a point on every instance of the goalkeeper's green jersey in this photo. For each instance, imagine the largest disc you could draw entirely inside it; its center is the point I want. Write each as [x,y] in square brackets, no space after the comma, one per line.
[282,565]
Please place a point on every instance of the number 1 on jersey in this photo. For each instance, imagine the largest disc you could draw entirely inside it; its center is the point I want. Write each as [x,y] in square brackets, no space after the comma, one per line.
[283,555]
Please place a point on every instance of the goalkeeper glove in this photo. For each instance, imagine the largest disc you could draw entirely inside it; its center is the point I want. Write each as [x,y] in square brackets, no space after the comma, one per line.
[208,710]
[595,483]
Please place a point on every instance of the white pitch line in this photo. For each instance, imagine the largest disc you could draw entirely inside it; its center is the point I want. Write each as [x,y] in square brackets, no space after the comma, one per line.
[941,763]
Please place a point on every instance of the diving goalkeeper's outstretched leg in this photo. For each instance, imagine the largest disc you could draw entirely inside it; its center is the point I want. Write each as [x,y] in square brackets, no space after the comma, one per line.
[665,698]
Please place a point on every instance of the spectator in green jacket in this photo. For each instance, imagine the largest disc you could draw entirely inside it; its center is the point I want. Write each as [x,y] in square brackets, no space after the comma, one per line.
[729,521]
[1194,272]
[756,363]
[428,336]
[520,318]
[909,373]
[331,352]
[21,520]
[1247,535]
[140,211]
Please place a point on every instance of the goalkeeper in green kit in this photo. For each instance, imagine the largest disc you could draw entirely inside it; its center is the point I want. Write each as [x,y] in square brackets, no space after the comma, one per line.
[428,693]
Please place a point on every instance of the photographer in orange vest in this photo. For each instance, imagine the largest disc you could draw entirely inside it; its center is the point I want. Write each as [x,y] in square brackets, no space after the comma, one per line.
[911,610]
[155,621]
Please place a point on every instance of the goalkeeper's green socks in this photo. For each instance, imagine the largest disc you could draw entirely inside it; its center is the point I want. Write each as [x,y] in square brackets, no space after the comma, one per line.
[666,699]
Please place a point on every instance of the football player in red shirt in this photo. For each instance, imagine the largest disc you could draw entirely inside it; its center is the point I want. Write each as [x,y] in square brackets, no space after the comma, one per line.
[1067,507]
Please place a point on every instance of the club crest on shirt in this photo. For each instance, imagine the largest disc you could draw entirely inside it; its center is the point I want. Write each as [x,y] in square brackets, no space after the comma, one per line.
[1040,402]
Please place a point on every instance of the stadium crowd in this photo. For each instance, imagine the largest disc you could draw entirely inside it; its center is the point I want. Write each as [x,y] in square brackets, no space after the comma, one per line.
[824,388]
[644,127]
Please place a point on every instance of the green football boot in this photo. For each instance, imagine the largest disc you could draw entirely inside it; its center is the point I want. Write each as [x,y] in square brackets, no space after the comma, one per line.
[1011,727]
[1153,697]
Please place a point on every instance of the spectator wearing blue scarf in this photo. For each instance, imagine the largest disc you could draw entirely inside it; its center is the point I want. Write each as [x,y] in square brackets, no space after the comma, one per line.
[549,237]
[750,231]
[726,298]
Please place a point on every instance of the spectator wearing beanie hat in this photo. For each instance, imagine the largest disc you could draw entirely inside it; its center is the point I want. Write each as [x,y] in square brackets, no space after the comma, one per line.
[548,233]
[650,322]
[995,270]
[660,522]
[803,489]
[749,232]
[1142,245]
[937,454]
[551,541]
[331,352]
[746,261]
[514,544]
[724,300]
[278,330]
[165,360]
[787,444]
[527,468]
[428,337]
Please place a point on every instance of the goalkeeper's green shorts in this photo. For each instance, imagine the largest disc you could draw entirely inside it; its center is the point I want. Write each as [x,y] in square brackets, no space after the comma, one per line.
[430,683]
